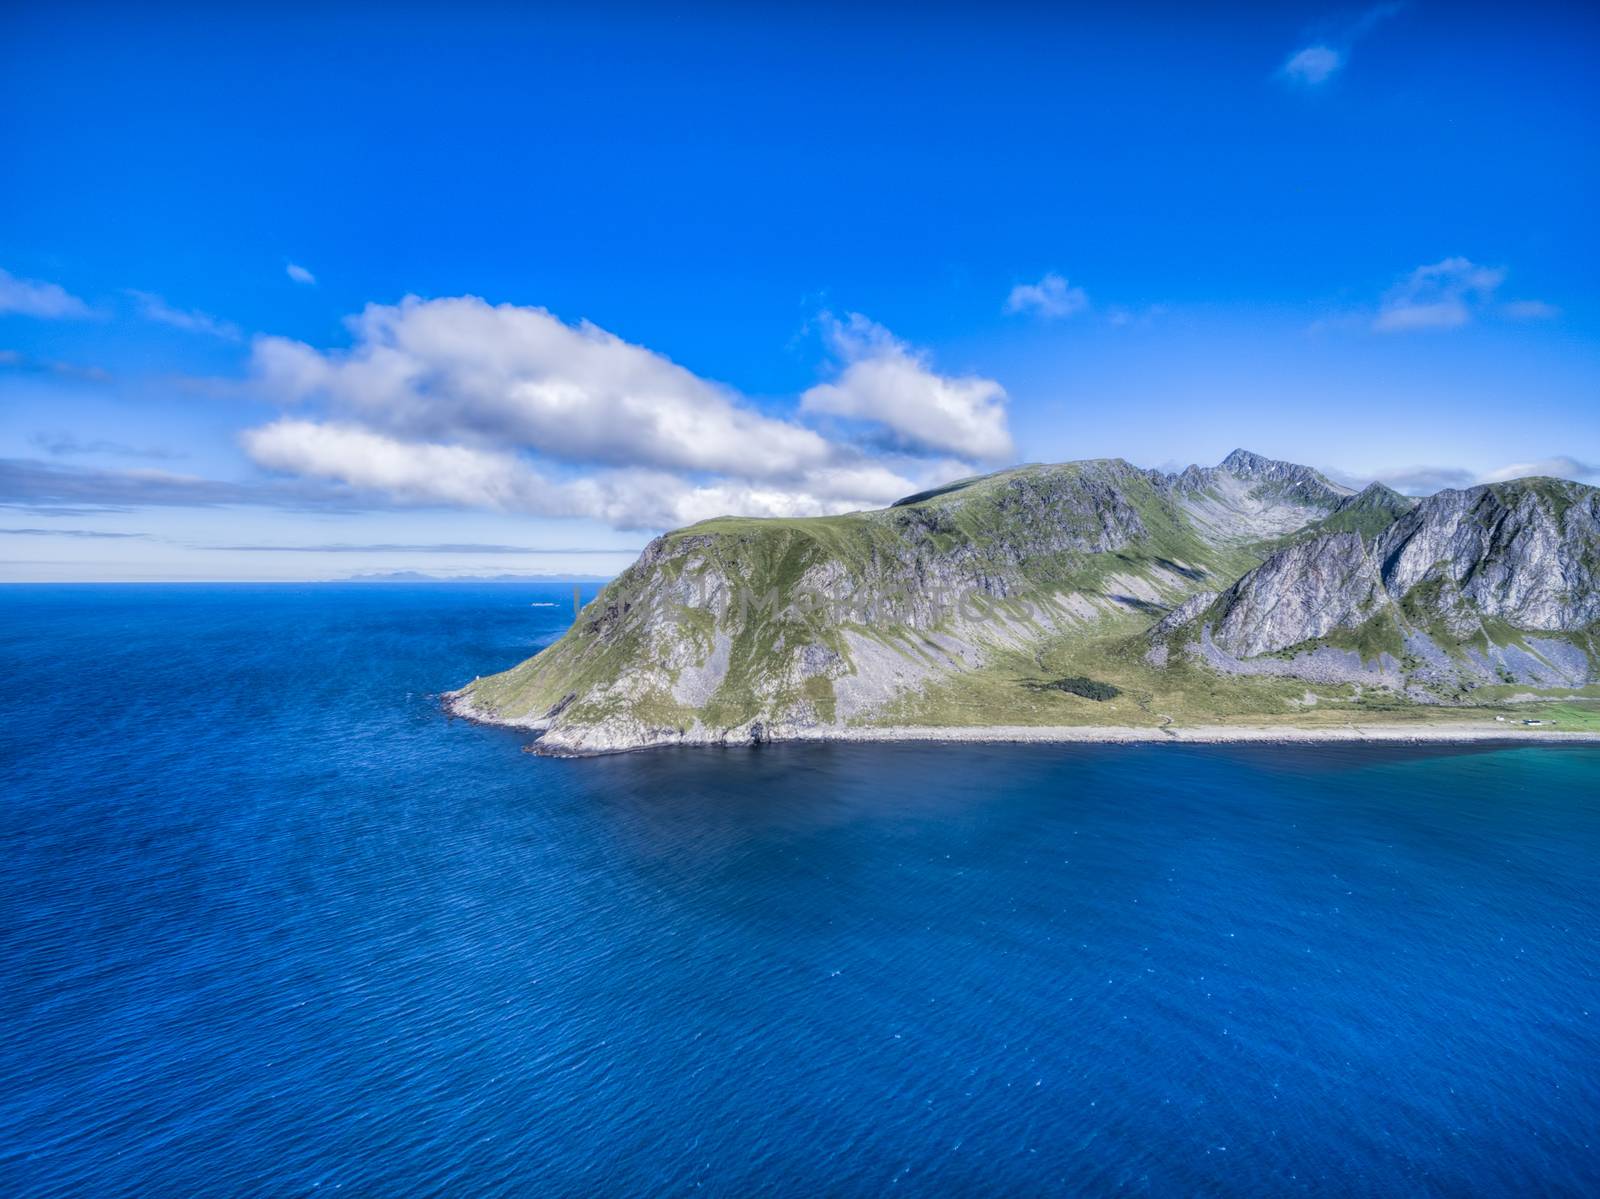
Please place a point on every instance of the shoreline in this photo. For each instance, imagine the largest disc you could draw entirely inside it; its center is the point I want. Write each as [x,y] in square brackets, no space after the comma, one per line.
[1441,733]
[1352,733]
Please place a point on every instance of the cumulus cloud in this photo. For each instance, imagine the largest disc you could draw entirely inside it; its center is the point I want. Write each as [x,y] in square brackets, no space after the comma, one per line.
[153,308]
[884,381]
[449,474]
[503,375]
[30,297]
[1051,297]
[428,473]
[460,402]
[299,273]
[1442,295]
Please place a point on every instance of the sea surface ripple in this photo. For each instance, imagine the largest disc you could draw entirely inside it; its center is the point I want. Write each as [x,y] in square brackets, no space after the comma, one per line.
[270,923]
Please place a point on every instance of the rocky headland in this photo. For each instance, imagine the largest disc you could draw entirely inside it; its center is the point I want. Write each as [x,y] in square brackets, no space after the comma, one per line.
[1252,599]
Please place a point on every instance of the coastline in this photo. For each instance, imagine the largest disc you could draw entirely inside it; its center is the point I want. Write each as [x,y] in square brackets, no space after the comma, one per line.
[1205,734]
[563,743]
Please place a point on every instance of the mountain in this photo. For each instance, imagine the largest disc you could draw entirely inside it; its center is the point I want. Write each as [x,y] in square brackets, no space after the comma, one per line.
[1368,513]
[1492,584]
[1077,593]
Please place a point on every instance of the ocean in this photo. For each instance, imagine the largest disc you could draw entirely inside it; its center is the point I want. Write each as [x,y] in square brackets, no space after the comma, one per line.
[271,923]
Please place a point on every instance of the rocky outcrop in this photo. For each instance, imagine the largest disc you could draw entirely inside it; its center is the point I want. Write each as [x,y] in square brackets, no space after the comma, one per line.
[1527,553]
[1456,583]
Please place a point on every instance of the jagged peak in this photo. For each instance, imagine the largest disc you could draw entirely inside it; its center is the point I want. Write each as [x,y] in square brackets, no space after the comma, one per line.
[1554,496]
[1244,462]
[1258,471]
[1379,495]
[1369,512]
[1247,464]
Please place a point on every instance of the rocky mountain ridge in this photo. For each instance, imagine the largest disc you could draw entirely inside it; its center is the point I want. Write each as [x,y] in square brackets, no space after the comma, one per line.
[946,603]
[1488,584]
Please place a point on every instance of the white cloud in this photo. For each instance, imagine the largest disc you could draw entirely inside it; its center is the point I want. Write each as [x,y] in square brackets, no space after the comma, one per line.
[1448,294]
[1425,480]
[886,382]
[1419,480]
[460,368]
[427,473]
[1561,466]
[1313,65]
[423,473]
[1051,297]
[299,273]
[30,297]
[1316,63]
[1441,295]
[153,308]
[459,402]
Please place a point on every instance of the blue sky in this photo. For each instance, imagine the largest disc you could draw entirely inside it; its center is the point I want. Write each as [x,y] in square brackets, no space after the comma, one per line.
[479,289]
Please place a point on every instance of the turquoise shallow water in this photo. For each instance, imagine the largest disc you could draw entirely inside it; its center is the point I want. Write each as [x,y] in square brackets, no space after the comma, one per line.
[270,923]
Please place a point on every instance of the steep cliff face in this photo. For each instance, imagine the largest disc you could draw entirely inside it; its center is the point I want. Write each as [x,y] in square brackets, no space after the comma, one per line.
[1453,590]
[1527,553]
[1300,593]
[736,630]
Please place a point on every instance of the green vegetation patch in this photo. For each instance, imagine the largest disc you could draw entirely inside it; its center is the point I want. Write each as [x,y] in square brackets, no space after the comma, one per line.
[1371,639]
[1081,685]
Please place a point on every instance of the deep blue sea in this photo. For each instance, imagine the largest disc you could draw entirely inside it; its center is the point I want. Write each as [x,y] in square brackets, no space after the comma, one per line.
[272,924]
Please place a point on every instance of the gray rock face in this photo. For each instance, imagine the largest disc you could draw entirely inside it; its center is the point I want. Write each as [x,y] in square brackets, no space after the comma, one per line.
[1482,564]
[1183,614]
[1324,664]
[1527,553]
[1250,498]
[1300,594]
